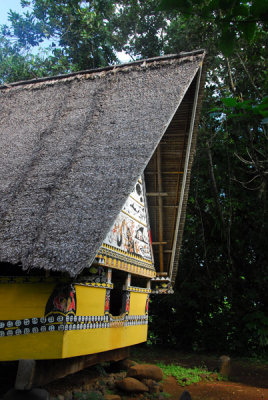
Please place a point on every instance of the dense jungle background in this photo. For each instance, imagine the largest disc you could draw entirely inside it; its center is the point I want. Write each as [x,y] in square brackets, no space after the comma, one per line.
[220,300]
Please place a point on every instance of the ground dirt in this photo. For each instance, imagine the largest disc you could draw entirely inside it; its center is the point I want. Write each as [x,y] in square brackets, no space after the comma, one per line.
[248,379]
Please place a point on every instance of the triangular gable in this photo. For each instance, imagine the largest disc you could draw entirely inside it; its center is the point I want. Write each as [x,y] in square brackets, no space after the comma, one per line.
[72,149]
[128,245]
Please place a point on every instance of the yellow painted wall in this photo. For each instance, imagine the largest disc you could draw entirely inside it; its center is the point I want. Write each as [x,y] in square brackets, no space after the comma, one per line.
[90,301]
[24,300]
[43,345]
[49,345]
[137,303]
[92,341]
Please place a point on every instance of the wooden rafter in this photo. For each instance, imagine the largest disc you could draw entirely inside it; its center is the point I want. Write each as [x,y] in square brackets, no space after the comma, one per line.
[157,194]
[163,172]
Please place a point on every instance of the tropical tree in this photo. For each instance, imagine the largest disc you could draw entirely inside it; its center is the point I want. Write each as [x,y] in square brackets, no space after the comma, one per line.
[80,32]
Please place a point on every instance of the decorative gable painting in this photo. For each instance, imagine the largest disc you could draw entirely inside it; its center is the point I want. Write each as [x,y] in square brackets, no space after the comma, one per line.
[94,179]
[128,242]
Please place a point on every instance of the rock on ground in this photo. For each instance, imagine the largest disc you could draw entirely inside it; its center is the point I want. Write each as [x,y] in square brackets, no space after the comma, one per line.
[125,364]
[132,385]
[143,371]
[185,395]
[112,397]
[225,366]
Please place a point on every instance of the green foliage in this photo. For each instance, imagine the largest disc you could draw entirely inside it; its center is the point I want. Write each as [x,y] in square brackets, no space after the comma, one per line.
[100,368]
[15,65]
[88,396]
[246,108]
[188,376]
[235,19]
[257,323]
[155,396]
[81,32]
[141,28]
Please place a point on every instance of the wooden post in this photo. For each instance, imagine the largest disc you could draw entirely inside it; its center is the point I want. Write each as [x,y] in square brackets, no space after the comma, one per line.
[109,275]
[25,374]
[128,281]
[160,211]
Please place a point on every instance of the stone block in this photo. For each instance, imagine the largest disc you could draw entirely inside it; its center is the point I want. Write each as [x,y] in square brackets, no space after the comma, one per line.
[225,366]
[154,388]
[148,382]
[143,371]
[132,385]
[125,364]
[112,397]
[185,395]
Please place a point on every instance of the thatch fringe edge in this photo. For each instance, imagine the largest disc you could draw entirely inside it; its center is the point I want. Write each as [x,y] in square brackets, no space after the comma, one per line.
[100,72]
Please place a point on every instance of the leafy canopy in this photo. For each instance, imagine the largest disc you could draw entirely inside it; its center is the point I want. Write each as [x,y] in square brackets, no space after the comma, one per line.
[235,19]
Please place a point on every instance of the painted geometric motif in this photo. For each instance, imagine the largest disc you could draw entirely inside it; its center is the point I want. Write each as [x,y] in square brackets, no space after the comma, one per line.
[68,323]
[130,231]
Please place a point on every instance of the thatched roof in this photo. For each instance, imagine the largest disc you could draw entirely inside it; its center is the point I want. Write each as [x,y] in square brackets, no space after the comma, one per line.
[72,148]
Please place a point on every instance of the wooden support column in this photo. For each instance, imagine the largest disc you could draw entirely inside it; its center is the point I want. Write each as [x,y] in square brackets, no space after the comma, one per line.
[160,211]
[35,373]
[128,281]
[109,275]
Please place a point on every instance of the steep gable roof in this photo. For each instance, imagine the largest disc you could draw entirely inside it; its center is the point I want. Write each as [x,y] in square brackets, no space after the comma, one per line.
[72,148]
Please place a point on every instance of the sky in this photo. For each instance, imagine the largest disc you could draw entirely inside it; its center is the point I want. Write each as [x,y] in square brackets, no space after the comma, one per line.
[5,6]
[14,5]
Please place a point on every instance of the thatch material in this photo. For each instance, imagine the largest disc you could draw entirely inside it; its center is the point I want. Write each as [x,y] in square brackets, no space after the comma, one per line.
[72,149]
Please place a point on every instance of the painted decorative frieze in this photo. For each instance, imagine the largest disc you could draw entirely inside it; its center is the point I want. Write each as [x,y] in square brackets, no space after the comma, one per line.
[68,323]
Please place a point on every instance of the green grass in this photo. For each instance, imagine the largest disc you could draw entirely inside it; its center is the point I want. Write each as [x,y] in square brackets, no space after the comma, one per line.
[187,376]
[88,396]
[155,396]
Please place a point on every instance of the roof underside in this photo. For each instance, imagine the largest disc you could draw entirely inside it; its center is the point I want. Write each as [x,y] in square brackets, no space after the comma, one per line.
[71,151]
[164,175]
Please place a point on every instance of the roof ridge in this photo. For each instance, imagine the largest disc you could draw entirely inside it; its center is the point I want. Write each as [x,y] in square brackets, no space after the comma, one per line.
[108,68]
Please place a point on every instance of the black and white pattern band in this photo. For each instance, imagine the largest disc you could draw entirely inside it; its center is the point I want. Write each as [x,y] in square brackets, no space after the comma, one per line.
[68,323]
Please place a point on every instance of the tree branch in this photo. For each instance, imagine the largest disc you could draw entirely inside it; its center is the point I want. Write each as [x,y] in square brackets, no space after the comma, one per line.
[232,85]
[249,76]
[214,186]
